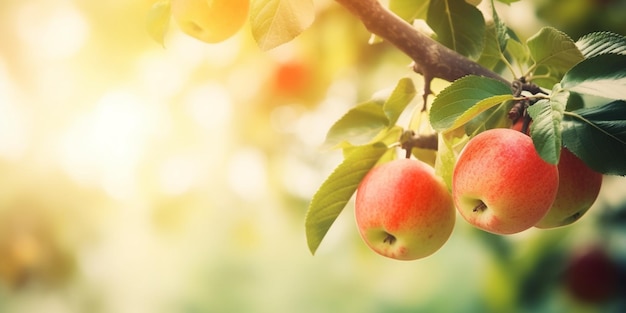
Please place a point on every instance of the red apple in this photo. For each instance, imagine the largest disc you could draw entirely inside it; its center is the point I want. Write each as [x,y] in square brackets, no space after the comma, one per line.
[519,124]
[579,187]
[403,210]
[500,184]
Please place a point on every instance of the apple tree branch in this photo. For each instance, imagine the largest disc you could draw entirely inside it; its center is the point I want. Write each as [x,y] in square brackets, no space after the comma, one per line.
[431,59]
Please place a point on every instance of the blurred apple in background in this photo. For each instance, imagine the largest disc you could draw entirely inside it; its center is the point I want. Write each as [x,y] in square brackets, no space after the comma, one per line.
[591,275]
[210,21]
[292,78]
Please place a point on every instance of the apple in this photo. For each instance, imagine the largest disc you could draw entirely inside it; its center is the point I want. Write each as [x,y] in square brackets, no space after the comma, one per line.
[403,210]
[579,187]
[292,78]
[591,275]
[210,21]
[500,184]
[519,124]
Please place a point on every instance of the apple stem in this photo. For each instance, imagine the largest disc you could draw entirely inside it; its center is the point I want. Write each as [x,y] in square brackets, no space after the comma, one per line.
[481,206]
[409,140]
[522,84]
[390,239]
[519,109]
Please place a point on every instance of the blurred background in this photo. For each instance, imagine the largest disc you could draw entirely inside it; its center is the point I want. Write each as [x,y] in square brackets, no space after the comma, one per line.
[141,178]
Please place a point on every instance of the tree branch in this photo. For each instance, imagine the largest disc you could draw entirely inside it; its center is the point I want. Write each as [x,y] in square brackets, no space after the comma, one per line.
[432,59]
[410,140]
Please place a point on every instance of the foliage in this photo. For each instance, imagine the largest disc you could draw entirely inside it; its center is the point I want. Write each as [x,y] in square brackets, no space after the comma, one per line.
[552,71]
[275,22]
[335,192]
[158,19]
[459,26]
[574,92]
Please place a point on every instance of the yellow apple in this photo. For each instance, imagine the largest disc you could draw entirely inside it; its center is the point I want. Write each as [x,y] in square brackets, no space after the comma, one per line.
[403,210]
[500,184]
[210,21]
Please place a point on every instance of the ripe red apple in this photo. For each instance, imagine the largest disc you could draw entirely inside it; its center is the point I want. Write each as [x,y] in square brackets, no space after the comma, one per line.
[500,184]
[579,187]
[210,21]
[403,210]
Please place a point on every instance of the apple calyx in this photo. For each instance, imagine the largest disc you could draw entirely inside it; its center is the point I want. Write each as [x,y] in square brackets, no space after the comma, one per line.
[573,218]
[480,207]
[390,239]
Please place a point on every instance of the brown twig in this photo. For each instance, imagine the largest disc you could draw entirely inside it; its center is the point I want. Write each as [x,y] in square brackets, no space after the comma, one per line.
[410,140]
[432,59]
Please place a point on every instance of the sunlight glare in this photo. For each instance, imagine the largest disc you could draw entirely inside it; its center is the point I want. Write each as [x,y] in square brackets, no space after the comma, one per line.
[177,175]
[210,105]
[247,174]
[54,33]
[106,144]
[13,132]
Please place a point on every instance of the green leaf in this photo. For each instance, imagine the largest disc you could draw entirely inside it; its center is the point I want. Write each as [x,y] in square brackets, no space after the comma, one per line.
[598,136]
[598,43]
[576,102]
[602,75]
[554,54]
[518,51]
[275,22]
[546,127]
[479,108]
[401,96]
[337,190]
[460,96]
[494,117]
[459,26]
[502,31]
[450,145]
[158,20]
[409,10]
[388,137]
[361,124]
[358,126]
[497,49]
[491,55]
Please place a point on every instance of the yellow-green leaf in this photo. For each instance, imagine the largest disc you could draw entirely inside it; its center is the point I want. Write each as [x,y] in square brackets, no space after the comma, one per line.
[478,108]
[158,20]
[275,22]
[337,190]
